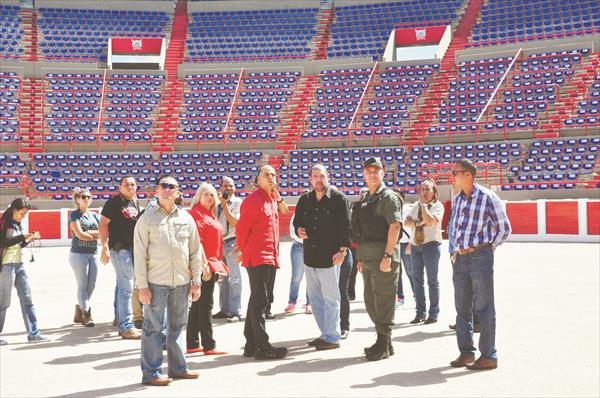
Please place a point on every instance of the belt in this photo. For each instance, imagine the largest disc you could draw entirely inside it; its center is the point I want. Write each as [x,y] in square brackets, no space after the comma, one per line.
[229,239]
[473,249]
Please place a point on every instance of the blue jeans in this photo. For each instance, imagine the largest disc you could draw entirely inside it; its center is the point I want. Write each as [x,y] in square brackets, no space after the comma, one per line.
[173,300]
[324,295]
[426,257]
[230,292]
[122,261]
[297,259]
[85,267]
[473,278]
[15,274]
[407,264]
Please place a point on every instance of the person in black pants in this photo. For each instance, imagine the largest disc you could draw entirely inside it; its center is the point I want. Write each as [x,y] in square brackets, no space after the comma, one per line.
[257,235]
[353,272]
[346,270]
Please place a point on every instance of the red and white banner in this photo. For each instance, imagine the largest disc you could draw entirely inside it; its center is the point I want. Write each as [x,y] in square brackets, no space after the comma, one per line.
[136,46]
[417,36]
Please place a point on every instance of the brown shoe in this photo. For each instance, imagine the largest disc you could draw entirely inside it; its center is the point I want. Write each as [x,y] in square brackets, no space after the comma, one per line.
[483,363]
[158,381]
[186,375]
[87,320]
[327,346]
[131,334]
[463,360]
[78,317]
[316,342]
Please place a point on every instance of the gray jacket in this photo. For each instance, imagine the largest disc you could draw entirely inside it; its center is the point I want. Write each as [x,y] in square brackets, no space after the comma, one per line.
[167,249]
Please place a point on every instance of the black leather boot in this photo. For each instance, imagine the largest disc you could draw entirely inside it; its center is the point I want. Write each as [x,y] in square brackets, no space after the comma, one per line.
[381,348]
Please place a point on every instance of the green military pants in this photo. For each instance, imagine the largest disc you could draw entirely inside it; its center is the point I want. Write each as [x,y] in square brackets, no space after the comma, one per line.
[380,295]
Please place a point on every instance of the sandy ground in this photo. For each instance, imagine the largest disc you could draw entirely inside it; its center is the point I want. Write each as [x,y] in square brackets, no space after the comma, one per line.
[547,299]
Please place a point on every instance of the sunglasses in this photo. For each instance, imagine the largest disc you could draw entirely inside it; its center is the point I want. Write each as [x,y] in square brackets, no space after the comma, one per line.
[86,197]
[166,185]
[455,172]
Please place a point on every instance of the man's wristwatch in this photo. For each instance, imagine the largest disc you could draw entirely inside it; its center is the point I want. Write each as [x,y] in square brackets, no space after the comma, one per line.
[387,255]
[195,282]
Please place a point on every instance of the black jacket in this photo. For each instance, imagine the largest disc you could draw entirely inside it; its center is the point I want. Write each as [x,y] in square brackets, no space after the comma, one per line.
[327,224]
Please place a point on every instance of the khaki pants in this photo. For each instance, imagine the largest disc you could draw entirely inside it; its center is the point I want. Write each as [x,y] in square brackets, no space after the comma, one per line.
[380,295]
[138,313]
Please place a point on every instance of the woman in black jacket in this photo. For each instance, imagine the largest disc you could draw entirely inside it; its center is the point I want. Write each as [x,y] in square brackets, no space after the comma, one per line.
[12,271]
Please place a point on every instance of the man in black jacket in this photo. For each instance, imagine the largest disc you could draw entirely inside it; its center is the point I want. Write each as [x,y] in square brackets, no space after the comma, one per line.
[322,221]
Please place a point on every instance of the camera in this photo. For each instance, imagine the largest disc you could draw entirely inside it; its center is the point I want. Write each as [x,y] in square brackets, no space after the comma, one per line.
[225,195]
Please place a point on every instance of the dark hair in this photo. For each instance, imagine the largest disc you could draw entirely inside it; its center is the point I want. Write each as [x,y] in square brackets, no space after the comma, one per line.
[7,216]
[468,166]
[164,176]
[125,177]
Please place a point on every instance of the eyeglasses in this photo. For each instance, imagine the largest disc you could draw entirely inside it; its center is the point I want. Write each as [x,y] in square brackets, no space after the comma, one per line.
[86,197]
[166,185]
[455,172]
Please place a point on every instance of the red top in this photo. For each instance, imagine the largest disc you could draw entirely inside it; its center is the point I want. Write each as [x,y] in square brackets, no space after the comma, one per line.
[211,237]
[257,231]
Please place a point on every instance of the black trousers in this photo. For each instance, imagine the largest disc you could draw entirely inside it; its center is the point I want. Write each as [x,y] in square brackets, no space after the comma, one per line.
[254,328]
[345,274]
[352,281]
[200,318]
[270,289]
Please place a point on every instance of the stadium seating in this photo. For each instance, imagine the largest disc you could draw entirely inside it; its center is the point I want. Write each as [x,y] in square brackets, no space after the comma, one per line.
[10,88]
[363,30]
[55,175]
[505,21]
[250,35]
[11,32]
[555,164]
[83,34]
[384,110]
[524,98]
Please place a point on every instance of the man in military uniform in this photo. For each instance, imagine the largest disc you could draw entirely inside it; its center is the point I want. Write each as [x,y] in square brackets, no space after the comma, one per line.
[376,227]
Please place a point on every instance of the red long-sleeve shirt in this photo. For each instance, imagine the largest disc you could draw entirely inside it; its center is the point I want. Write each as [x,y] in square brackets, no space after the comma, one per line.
[257,231]
[211,236]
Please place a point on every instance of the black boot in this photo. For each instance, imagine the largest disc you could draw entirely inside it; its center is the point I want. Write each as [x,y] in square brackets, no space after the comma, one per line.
[381,348]
[369,349]
[390,346]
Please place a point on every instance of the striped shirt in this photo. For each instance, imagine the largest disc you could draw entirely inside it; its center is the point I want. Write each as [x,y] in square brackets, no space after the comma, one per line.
[478,219]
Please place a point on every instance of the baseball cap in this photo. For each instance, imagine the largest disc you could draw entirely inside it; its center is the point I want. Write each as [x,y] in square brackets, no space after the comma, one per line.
[373,161]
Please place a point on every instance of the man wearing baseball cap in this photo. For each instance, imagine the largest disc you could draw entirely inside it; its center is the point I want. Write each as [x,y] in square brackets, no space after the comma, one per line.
[376,227]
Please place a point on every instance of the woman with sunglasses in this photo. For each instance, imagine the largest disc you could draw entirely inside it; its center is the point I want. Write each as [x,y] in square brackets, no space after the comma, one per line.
[426,219]
[203,211]
[12,271]
[84,253]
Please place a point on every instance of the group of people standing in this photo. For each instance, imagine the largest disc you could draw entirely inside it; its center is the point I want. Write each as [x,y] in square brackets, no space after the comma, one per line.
[174,258]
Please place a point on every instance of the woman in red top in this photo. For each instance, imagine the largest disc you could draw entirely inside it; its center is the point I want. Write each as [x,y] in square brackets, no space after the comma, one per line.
[204,206]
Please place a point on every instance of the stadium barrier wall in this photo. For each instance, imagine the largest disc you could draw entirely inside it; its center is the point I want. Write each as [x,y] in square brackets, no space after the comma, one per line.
[532,221]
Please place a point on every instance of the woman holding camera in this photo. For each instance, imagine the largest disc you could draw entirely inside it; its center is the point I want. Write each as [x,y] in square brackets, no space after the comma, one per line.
[84,253]
[426,219]
[12,271]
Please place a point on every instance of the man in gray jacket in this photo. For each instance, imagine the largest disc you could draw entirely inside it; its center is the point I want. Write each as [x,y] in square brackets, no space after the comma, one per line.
[169,262]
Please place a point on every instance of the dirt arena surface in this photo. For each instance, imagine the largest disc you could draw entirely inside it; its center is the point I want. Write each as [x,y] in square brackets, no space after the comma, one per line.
[548,309]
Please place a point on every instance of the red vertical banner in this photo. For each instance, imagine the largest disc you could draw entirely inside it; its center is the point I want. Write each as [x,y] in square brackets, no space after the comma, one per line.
[523,218]
[593,218]
[562,218]
[46,222]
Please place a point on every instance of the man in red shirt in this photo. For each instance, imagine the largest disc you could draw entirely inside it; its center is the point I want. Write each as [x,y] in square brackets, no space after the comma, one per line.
[257,235]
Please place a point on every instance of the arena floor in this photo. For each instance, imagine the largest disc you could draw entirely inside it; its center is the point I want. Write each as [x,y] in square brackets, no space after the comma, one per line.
[547,299]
